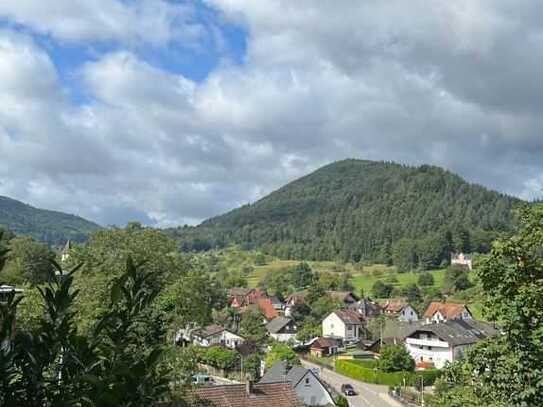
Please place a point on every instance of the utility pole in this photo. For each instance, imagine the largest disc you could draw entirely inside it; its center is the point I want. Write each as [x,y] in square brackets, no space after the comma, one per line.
[422,391]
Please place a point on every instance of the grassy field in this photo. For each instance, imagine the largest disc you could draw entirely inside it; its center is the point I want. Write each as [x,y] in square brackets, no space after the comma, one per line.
[235,259]
[367,280]
[319,266]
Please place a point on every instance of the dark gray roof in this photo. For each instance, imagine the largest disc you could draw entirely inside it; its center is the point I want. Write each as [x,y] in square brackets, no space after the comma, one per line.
[210,330]
[366,308]
[280,372]
[276,324]
[275,300]
[459,331]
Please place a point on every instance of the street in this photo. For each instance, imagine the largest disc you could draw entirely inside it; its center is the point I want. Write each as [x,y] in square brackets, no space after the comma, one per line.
[368,395]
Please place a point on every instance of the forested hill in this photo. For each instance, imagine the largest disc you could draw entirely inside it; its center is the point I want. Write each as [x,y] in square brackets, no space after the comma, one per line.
[356,209]
[48,226]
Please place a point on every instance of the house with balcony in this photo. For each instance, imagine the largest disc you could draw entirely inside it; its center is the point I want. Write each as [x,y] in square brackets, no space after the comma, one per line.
[439,343]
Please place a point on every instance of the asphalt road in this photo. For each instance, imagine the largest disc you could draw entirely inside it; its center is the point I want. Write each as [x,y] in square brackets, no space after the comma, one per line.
[368,395]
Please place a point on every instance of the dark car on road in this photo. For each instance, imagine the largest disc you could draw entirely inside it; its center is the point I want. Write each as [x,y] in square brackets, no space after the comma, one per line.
[348,390]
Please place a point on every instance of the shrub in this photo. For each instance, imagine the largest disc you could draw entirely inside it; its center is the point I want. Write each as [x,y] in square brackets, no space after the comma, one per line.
[426,279]
[355,370]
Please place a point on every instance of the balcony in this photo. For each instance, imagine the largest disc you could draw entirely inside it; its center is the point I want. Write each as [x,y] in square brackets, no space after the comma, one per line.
[426,342]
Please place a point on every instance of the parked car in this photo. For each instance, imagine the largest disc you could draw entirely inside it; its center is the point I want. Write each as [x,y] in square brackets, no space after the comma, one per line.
[348,390]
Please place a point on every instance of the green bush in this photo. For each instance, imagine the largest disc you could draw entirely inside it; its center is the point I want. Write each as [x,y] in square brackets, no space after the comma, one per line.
[357,370]
[367,363]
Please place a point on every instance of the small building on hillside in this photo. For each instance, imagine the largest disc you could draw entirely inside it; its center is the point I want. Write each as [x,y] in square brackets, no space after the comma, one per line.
[366,308]
[212,335]
[294,299]
[347,325]
[266,307]
[282,329]
[444,311]
[65,253]
[280,394]
[345,297]
[307,385]
[324,346]
[239,297]
[463,260]
[277,303]
[443,342]
[400,309]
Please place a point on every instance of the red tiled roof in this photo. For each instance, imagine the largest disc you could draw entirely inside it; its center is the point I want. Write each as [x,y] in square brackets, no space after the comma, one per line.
[394,307]
[267,308]
[262,395]
[447,309]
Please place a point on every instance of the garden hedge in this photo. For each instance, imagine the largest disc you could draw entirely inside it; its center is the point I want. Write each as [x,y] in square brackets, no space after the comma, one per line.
[358,371]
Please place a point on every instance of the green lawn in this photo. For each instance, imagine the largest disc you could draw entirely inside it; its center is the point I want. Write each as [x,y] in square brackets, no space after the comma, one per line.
[319,266]
[366,280]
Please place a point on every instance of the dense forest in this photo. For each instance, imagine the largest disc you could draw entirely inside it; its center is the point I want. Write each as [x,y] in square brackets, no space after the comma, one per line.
[358,210]
[50,227]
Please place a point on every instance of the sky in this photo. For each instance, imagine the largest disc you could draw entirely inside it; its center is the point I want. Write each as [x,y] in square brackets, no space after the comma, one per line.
[169,112]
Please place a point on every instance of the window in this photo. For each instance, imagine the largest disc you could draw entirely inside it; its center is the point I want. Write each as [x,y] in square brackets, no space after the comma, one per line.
[349,327]
[307,380]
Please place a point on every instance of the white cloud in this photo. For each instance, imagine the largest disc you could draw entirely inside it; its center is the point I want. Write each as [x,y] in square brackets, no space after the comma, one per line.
[149,21]
[452,86]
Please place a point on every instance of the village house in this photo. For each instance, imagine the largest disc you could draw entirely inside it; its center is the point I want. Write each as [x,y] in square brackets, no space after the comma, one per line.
[343,324]
[400,309]
[239,297]
[65,253]
[461,259]
[282,329]
[366,308]
[294,299]
[277,303]
[444,311]
[280,394]
[212,335]
[324,346]
[440,342]
[267,309]
[345,297]
[309,388]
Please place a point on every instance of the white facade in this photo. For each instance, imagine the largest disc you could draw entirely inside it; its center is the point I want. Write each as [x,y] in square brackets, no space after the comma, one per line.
[334,327]
[429,348]
[283,337]
[439,317]
[224,338]
[408,314]
[312,392]
[462,259]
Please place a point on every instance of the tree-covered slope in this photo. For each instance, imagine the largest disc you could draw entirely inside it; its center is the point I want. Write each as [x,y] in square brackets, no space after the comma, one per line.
[48,226]
[357,209]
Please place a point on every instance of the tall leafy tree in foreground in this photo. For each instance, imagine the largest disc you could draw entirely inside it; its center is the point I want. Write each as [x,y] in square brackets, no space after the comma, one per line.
[55,365]
[508,369]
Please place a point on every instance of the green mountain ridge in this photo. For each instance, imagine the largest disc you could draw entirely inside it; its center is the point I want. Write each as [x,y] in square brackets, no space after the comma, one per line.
[51,227]
[358,209]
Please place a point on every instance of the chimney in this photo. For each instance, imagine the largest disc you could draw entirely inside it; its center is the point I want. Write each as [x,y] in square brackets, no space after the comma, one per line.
[249,387]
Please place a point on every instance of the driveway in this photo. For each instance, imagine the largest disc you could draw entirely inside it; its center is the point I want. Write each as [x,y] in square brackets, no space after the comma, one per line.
[368,395]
